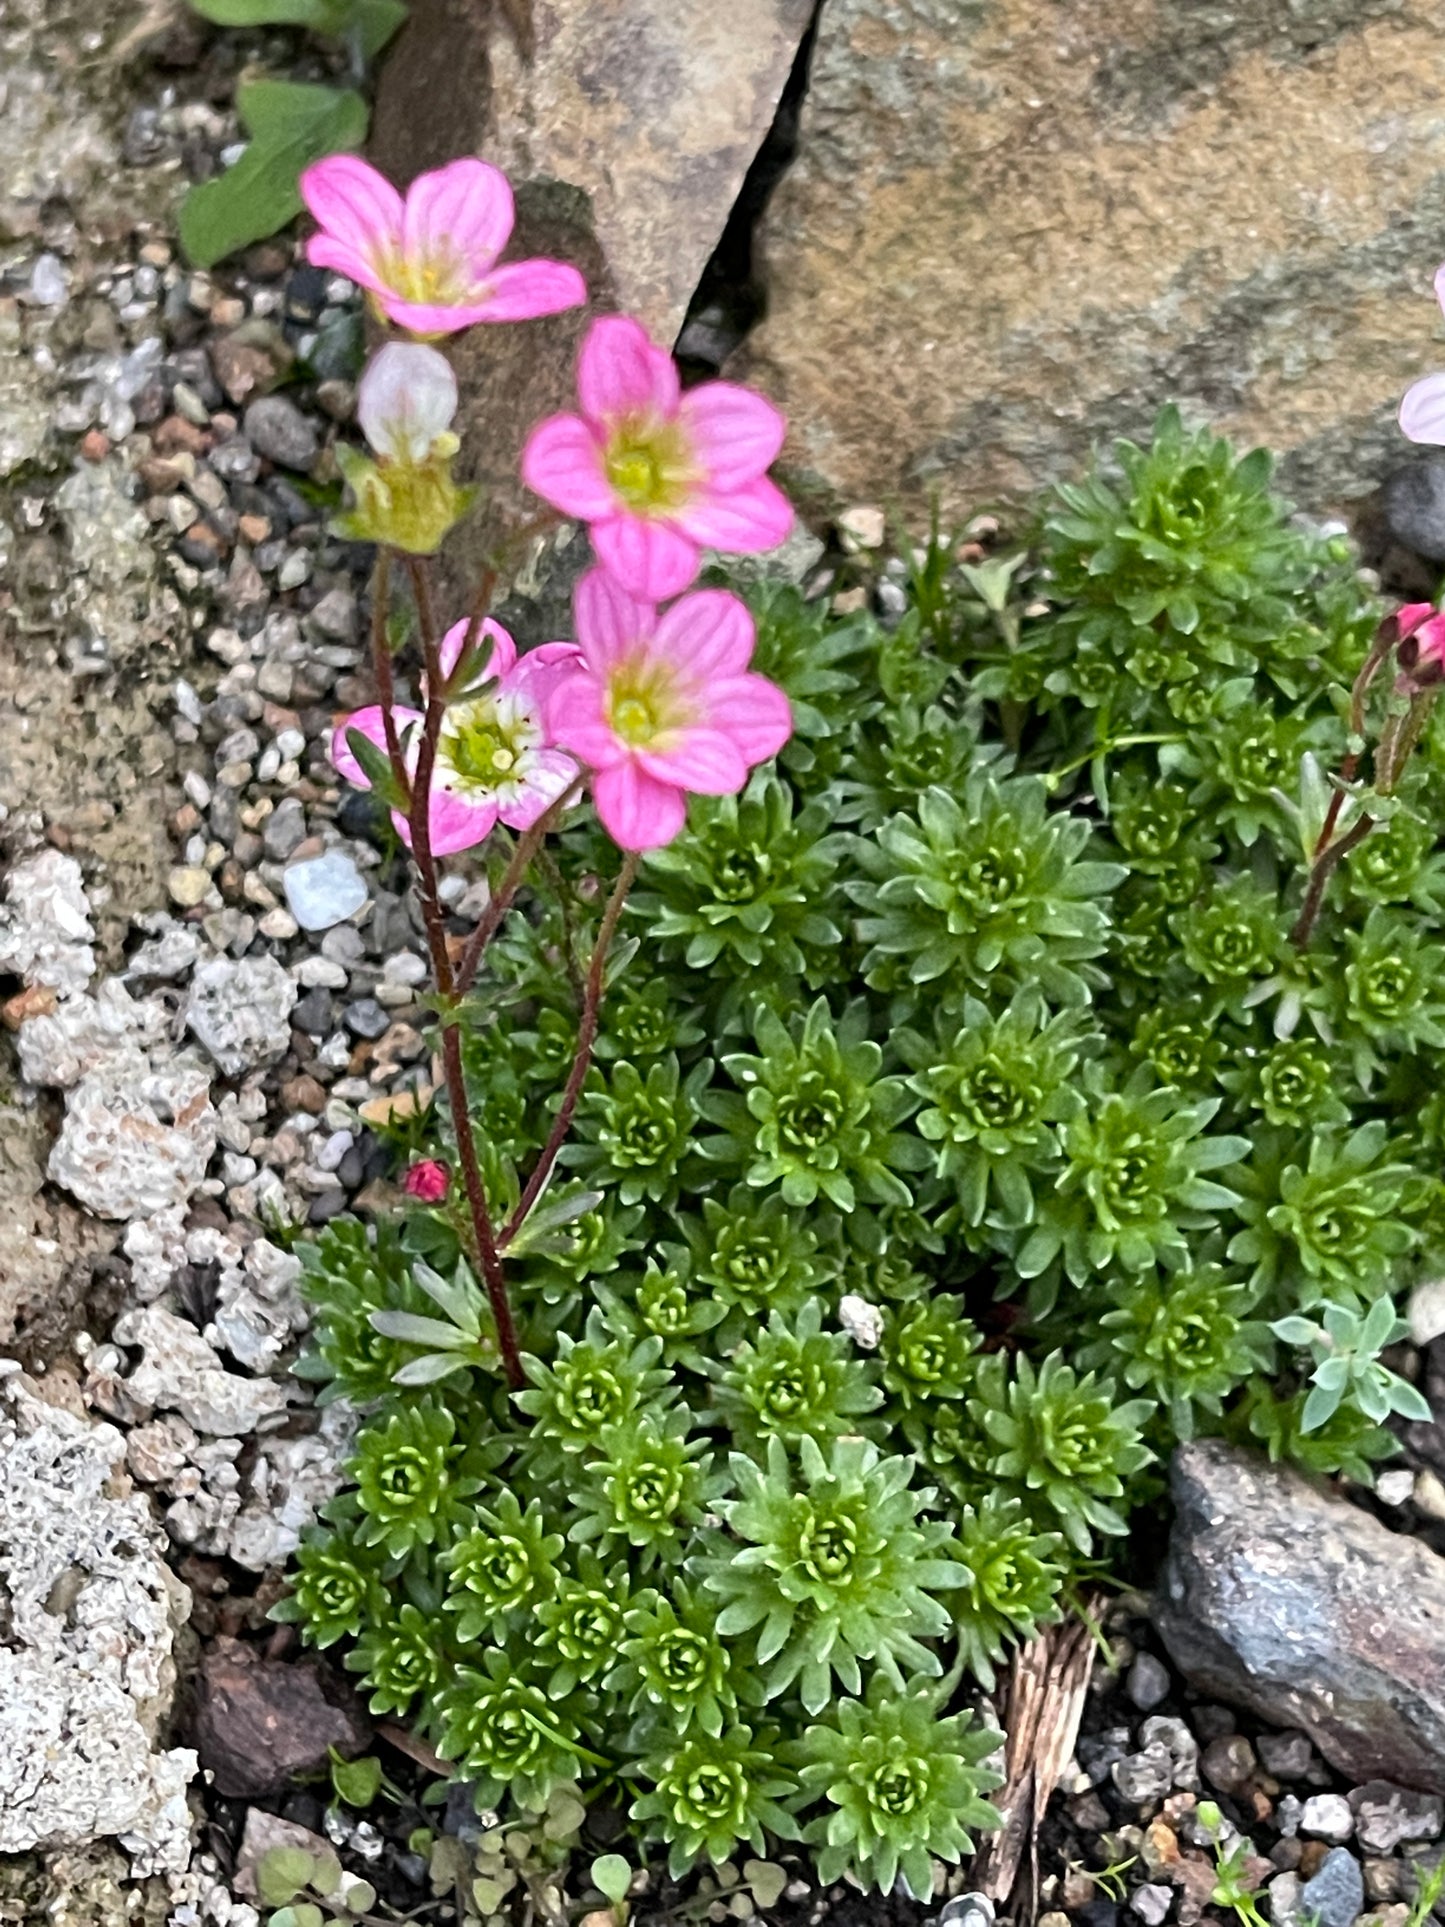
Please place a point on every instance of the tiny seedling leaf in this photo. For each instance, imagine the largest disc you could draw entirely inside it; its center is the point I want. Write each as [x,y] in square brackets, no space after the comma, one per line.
[612,1877]
[357,1782]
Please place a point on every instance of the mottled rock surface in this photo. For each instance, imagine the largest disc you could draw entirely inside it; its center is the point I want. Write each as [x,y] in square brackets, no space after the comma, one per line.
[1014,228]
[86,1668]
[1282,1597]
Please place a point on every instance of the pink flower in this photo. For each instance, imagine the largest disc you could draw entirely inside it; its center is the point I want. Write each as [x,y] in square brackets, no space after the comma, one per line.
[430,261]
[1420,628]
[662,704]
[427,1181]
[1422,412]
[495,759]
[658,474]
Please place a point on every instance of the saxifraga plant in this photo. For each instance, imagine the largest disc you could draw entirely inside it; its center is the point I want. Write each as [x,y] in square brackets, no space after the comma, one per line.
[968,1125]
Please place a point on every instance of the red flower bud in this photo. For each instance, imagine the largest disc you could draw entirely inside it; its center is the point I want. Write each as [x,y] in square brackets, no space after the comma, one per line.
[427,1181]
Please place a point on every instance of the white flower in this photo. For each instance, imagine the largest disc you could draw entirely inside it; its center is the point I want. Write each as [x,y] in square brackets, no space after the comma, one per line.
[406,401]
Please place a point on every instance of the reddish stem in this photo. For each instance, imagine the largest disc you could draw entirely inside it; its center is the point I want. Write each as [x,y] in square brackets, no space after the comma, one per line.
[487,1254]
[528,845]
[582,1062]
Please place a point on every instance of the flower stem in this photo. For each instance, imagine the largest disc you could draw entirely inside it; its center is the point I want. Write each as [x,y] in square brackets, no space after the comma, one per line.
[582,1062]
[528,844]
[488,1256]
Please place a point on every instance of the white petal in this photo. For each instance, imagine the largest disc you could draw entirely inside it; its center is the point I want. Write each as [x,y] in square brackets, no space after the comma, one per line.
[407,397]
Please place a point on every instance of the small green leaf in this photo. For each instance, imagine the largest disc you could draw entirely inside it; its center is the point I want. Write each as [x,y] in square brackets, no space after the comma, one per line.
[282,1873]
[367,23]
[376,768]
[357,1782]
[358,1896]
[304,1914]
[292,124]
[612,1876]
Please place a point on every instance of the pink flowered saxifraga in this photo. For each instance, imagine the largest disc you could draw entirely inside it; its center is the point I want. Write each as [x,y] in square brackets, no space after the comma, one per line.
[662,703]
[429,260]
[656,473]
[495,761]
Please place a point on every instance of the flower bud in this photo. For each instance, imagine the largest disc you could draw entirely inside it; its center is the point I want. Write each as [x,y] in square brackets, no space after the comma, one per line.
[427,1181]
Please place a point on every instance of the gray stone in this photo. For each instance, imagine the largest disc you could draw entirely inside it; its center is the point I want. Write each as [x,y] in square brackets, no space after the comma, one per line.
[1013,229]
[276,428]
[1328,1816]
[285,828]
[137,1135]
[240,1009]
[87,1667]
[1148,1682]
[1151,1903]
[45,928]
[1282,1597]
[1288,1756]
[1284,1899]
[1180,1744]
[1426,1312]
[1335,1897]
[1386,1816]
[367,1018]
[1413,503]
[324,890]
[1146,1777]
[180,1372]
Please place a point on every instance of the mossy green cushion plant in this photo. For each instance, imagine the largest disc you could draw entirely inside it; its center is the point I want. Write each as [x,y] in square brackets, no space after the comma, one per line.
[967,1125]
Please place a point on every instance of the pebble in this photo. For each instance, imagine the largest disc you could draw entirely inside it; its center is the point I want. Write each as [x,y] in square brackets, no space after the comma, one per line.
[1228,1763]
[1414,507]
[366,1018]
[1335,1897]
[1328,1817]
[1387,1815]
[1144,1778]
[325,890]
[1287,1756]
[285,829]
[188,885]
[276,428]
[1148,1681]
[320,973]
[1151,1903]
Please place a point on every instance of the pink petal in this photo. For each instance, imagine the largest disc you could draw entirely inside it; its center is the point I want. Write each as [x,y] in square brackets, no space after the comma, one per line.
[651,560]
[503,653]
[610,623]
[754,713]
[542,670]
[323,251]
[353,204]
[1440,284]
[736,433]
[704,759]
[457,823]
[621,372]
[710,632]
[562,463]
[551,775]
[1422,412]
[464,208]
[522,290]
[576,720]
[1430,639]
[368,722]
[426,318]
[637,811]
[742,520]
[1410,615]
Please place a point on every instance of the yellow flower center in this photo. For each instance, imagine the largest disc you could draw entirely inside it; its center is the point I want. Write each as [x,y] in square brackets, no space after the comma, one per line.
[645,707]
[649,464]
[481,746]
[436,279]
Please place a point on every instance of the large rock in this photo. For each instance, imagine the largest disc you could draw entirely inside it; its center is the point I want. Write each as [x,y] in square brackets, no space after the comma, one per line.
[1015,227]
[627,127]
[1282,1597]
[87,1670]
